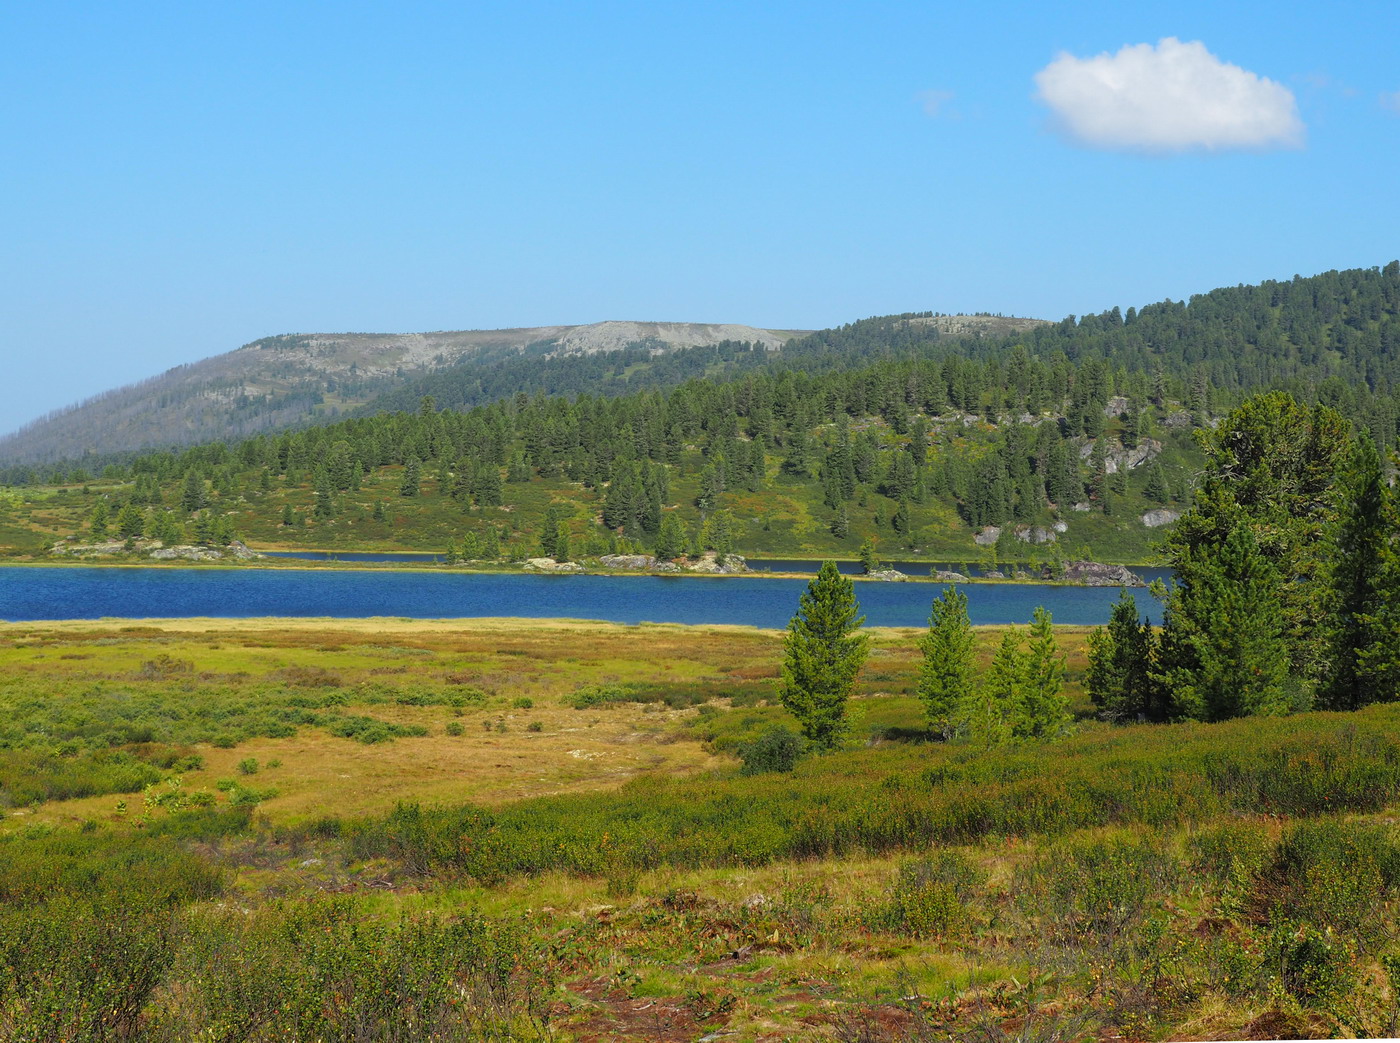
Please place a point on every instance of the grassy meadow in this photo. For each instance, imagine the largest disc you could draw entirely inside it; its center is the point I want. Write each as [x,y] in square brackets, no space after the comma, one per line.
[503,829]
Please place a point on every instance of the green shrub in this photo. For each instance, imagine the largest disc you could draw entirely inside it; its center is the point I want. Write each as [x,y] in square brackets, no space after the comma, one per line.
[1231,855]
[535,726]
[1096,891]
[523,702]
[454,728]
[1334,876]
[248,766]
[929,897]
[777,749]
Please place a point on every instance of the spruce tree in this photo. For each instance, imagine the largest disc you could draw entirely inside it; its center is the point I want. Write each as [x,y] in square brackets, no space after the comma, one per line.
[412,474]
[1223,651]
[671,540]
[1044,707]
[946,676]
[992,717]
[822,654]
[1361,633]
[869,556]
[1120,662]
[97,520]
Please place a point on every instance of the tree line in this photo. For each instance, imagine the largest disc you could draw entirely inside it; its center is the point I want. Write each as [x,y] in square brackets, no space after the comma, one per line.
[1287,588]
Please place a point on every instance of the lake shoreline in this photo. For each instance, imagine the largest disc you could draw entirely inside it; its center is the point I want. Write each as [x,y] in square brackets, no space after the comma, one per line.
[281,564]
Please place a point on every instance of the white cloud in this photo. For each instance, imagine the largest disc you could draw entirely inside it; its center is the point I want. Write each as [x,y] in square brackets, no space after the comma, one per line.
[1174,97]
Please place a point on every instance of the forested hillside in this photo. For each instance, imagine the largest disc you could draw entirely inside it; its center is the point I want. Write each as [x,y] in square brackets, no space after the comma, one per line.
[1043,441]
[293,380]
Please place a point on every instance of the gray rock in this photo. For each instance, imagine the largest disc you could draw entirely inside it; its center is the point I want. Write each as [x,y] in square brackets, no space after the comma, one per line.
[1035,534]
[733,564]
[949,577]
[1117,458]
[185,553]
[994,574]
[1180,419]
[550,565]
[1060,527]
[1097,574]
[888,575]
[627,561]
[1161,516]
[988,536]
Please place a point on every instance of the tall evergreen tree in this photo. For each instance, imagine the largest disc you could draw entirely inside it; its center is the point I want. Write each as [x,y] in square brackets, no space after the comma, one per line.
[1223,651]
[1044,710]
[412,475]
[947,673]
[992,716]
[1120,663]
[823,652]
[1361,636]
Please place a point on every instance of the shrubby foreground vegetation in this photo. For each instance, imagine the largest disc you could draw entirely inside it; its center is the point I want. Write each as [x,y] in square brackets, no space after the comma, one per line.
[1149,881]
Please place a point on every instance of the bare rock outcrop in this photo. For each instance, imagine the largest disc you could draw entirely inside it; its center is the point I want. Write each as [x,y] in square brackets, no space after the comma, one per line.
[733,564]
[1158,518]
[1097,574]
[550,565]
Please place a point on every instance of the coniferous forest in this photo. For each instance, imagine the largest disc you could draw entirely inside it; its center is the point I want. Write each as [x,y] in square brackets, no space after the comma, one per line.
[1049,444]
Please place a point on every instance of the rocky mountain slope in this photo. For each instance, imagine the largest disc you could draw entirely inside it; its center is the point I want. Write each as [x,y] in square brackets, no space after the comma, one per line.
[287,381]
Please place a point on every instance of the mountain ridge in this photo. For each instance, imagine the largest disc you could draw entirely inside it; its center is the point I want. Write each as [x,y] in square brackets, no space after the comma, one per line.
[290,379]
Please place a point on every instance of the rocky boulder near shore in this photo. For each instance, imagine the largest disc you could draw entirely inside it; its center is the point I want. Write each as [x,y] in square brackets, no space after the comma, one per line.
[733,564]
[1097,574]
[888,575]
[550,565]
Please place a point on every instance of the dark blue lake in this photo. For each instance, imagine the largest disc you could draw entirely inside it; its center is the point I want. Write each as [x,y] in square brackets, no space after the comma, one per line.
[61,592]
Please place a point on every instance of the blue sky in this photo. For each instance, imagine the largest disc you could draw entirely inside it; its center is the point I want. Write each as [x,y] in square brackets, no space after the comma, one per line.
[179,179]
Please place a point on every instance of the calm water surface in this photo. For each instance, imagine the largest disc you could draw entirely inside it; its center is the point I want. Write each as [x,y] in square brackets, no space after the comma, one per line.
[44,592]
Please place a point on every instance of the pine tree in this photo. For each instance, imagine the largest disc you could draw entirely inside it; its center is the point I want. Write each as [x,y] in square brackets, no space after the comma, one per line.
[1120,661]
[869,556]
[1156,488]
[718,534]
[1044,707]
[486,490]
[192,496]
[130,521]
[822,654]
[1223,652]
[412,474]
[991,720]
[840,523]
[946,675]
[1361,636]
[672,539]
[97,520]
